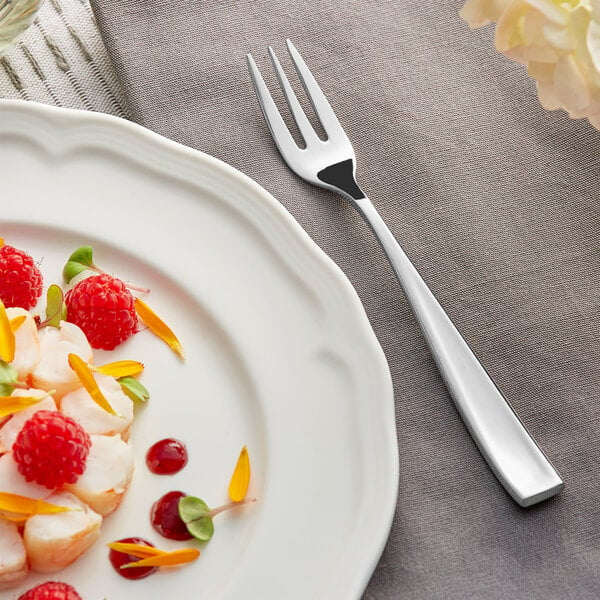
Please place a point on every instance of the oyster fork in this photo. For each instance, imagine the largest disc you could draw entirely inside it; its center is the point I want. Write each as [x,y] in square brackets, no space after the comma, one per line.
[510,451]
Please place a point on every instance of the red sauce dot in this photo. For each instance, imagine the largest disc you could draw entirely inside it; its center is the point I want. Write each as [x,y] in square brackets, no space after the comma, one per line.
[120,558]
[166,457]
[165,517]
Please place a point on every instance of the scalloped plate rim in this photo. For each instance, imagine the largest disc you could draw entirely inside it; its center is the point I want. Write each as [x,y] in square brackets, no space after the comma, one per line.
[266,207]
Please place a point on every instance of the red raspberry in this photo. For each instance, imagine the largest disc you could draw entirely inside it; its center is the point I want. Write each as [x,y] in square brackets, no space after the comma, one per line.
[51,590]
[20,279]
[51,449]
[104,309]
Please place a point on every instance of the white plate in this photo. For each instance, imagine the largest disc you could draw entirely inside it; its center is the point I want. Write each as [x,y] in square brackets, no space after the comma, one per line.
[280,356]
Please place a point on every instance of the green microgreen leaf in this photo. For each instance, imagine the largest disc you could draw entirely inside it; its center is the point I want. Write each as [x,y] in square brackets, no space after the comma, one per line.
[192,508]
[202,529]
[56,310]
[8,378]
[134,389]
[81,260]
[195,514]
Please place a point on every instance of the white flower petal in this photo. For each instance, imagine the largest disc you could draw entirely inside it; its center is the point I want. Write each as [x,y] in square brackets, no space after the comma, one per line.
[540,53]
[595,9]
[547,95]
[593,43]
[541,71]
[553,12]
[510,26]
[533,27]
[474,13]
[559,43]
[570,84]
[558,37]
[595,120]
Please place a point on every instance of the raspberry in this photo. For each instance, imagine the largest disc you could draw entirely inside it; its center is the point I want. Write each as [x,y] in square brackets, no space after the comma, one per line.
[103,307]
[20,279]
[51,590]
[51,449]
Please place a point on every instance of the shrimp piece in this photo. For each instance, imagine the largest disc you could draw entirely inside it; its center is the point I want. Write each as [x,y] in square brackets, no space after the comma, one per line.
[80,406]
[53,371]
[27,343]
[13,558]
[12,482]
[54,541]
[108,472]
[10,430]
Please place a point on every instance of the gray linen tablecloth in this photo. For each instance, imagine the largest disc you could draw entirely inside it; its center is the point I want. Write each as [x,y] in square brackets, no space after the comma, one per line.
[494,199]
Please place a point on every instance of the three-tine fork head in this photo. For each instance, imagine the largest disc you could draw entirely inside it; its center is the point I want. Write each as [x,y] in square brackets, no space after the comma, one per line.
[327,163]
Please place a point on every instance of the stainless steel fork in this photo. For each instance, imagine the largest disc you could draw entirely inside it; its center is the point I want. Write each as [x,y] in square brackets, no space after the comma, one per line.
[510,451]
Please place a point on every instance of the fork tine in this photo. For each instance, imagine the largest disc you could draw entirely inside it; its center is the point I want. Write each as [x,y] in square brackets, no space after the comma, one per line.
[304,125]
[281,135]
[330,122]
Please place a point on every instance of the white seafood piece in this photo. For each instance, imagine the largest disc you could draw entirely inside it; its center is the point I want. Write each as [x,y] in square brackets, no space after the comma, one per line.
[80,406]
[12,482]
[108,472]
[27,343]
[13,558]
[54,541]
[10,430]
[53,371]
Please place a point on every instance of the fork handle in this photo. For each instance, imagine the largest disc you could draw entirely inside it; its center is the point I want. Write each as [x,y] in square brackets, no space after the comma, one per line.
[510,451]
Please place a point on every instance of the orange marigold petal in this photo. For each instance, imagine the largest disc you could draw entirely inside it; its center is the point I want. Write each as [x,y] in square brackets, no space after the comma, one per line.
[138,550]
[16,519]
[121,368]
[238,486]
[166,559]
[86,377]
[10,405]
[23,505]
[17,322]
[7,337]
[158,327]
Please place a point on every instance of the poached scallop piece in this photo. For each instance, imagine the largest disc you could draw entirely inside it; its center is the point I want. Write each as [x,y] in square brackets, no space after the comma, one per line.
[56,540]
[12,482]
[53,371]
[80,406]
[13,558]
[10,430]
[108,472]
[27,343]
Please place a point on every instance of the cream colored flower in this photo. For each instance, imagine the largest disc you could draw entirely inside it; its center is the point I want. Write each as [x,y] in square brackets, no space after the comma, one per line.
[558,41]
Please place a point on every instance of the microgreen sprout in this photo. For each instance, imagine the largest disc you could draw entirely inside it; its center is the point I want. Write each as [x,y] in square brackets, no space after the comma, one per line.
[198,517]
[83,260]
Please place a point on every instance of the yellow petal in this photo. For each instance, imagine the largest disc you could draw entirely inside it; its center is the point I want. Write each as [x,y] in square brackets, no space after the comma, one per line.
[10,405]
[1,242]
[166,559]
[238,486]
[23,505]
[17,322]
[7,337]
[158,327]
[138,550]
[86,377]
[121,368]
[16,519]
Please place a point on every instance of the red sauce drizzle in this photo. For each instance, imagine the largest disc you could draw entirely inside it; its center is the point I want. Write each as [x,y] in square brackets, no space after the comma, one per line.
[165,517]
[166,457]
[120,558]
